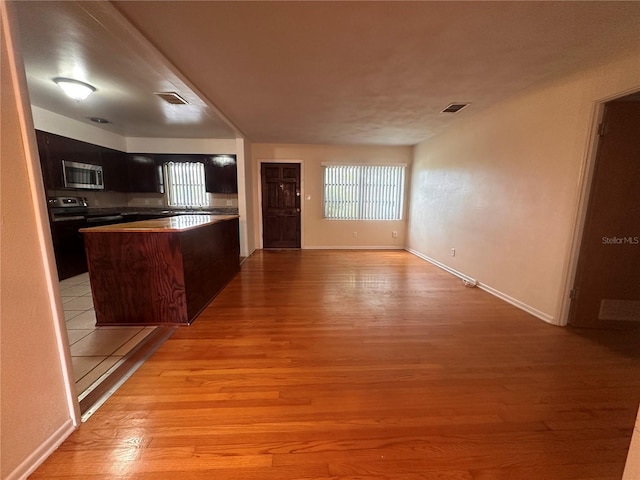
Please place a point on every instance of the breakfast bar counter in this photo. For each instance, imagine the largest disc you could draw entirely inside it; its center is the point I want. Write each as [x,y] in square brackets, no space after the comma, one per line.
[160,272]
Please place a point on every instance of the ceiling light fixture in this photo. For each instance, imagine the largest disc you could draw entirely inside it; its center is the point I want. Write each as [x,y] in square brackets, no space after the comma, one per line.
[74,89]
[99,120]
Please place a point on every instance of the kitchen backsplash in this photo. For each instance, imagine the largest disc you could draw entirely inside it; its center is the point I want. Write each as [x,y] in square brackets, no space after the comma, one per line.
[145,200]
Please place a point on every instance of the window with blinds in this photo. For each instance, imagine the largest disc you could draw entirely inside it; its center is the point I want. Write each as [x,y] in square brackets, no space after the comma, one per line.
[185,185]
[363,192]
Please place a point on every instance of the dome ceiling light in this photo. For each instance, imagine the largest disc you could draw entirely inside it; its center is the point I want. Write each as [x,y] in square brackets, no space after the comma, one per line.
[74,89]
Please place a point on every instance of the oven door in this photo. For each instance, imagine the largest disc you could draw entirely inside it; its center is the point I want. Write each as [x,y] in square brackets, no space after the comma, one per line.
[82,175]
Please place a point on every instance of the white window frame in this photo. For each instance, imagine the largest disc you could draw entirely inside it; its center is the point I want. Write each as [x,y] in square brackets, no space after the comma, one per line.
[185,184]
[383,200]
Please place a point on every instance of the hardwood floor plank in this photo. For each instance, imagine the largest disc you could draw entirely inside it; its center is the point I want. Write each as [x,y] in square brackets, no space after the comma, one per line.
[364,365]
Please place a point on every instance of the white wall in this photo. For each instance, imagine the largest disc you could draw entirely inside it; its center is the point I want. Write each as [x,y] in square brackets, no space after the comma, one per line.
[503,187]
[318,232]
[51,122]
[181,145]
[38,404]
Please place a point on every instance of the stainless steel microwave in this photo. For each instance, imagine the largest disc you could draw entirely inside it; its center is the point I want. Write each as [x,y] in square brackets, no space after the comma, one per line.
[82,175]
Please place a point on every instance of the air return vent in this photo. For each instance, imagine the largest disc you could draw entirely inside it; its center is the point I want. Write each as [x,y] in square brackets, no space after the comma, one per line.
[454,107]
[172,97]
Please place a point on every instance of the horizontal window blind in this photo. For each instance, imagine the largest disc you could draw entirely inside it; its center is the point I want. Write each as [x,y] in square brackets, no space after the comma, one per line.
[363,192]
[185,184]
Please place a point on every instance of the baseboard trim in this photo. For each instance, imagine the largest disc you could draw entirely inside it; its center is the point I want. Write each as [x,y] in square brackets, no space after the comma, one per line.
[329,247]
[517,303]
[496,293]
[40,454]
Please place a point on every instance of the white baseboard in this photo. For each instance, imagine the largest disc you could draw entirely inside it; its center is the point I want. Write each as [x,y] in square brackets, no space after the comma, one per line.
[497,293]
[40,454]
[354,247]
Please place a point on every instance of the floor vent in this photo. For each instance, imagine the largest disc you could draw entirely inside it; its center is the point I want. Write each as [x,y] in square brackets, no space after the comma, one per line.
[622,310]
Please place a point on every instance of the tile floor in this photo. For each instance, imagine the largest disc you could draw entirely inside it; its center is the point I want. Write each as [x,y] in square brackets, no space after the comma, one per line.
[94,350]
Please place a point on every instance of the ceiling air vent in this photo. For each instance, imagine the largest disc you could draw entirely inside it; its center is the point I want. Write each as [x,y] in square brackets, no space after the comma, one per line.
[454,107]
[172,97]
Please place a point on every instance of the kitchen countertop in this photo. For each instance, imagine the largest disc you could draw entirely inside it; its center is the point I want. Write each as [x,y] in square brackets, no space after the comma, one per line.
[125,212]
[179,223]
[162,211]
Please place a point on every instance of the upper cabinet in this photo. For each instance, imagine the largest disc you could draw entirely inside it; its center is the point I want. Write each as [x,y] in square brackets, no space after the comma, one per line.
[53,149]
[129,172]
[221,173]
[145,173]
[114,167]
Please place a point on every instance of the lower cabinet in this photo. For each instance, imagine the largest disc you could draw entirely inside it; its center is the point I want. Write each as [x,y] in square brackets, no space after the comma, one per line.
[68,247]
[68,242]
[160,275]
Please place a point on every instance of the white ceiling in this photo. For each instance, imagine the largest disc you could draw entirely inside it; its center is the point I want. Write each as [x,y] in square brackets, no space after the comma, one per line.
[310,72]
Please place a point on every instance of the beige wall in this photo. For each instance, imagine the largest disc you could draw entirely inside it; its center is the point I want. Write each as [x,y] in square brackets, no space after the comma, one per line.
[246,198]
[37,407]
[503,187]
[632,468]
[316,231]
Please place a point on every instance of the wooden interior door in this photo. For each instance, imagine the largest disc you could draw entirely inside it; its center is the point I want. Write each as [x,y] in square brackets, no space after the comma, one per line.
[280,205]
[607,286]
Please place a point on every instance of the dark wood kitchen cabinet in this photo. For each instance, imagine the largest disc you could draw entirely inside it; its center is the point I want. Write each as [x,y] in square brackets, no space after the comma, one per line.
[129,172]
[160,272]
[221,173]
[114,165]
[144,174]
[53,149]
[68,247]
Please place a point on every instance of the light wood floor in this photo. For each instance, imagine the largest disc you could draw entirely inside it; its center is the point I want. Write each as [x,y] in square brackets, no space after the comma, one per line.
[364,365]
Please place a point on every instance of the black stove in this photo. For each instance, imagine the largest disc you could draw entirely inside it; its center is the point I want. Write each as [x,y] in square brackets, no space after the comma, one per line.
[68,208]
[76,208]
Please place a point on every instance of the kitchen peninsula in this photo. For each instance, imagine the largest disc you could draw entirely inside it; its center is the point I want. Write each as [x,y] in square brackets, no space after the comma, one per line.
[160,272]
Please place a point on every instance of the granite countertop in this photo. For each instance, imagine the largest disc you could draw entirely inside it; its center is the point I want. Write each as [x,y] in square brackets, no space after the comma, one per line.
[179,223]
[162,211]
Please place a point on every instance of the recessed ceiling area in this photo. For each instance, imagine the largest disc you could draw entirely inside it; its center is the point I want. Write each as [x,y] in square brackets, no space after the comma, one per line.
[376,73]
[92,43]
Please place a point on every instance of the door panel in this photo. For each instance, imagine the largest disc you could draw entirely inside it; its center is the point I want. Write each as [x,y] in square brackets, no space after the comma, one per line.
[281,205]
[607,286]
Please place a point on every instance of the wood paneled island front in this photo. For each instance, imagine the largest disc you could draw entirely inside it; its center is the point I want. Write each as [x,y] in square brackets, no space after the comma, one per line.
[163,271]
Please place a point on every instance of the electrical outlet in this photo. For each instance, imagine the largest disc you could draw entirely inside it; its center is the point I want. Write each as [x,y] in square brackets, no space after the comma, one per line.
[355,234]
[146,201]
[394,234]
[453,252]
[229,203]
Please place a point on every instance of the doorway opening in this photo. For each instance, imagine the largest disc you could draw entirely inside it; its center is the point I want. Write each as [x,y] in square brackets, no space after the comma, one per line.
[606,288]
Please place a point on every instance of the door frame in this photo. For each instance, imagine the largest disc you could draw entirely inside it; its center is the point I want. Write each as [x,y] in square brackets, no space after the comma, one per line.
[585,183]
[302,198]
